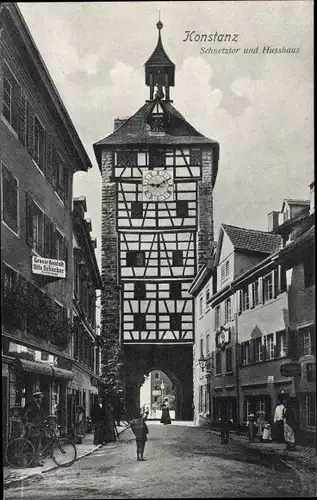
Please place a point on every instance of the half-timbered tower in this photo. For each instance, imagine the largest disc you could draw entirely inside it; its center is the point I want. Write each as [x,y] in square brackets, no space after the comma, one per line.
[158,175]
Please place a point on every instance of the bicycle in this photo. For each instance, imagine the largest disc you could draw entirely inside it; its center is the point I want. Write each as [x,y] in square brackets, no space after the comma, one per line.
[20,452]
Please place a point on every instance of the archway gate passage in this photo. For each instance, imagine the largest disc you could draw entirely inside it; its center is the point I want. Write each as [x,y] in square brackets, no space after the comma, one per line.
[174,360]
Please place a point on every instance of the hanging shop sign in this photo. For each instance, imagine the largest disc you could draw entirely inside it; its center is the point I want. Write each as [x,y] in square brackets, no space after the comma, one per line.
[48,267]
[270,379]
[223,337]
[290,370]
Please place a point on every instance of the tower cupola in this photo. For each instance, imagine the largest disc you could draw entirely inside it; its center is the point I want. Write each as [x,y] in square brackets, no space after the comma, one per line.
[159,70]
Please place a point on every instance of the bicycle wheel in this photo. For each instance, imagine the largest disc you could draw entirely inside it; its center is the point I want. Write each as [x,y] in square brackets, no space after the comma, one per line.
[19,453]
[63,452]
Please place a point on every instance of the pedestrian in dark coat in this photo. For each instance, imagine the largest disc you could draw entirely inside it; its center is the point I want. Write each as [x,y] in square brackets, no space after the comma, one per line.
[33,419]
[140,430]
[165,418]
[224,429]
[96,420]
[107,419]
[118,410]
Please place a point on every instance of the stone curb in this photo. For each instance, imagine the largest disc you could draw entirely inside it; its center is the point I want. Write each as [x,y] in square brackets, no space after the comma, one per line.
[309,463]
[7,484]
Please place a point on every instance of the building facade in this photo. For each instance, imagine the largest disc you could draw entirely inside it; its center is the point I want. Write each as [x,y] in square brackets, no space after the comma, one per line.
[158,175]
[86,341]
[263,321]
[40,152]
[298,258]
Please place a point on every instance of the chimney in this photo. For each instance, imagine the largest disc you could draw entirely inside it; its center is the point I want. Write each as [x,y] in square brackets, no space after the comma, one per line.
[312,198]
[118,122]
[273,220]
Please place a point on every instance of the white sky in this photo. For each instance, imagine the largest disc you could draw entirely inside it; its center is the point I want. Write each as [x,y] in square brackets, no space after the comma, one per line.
[258,107]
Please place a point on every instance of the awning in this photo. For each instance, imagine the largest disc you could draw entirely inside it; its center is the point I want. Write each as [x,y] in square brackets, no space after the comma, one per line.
[36,367]
[60,373]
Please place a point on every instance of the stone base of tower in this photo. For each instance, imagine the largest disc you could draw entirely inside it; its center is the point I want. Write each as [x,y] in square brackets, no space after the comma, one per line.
[176,361]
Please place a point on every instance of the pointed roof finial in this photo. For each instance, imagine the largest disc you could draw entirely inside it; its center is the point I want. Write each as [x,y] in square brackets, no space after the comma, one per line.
[159,25]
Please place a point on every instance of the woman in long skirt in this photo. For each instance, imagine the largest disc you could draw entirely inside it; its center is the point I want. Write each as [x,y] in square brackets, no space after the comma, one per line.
[165,418]
[289,427]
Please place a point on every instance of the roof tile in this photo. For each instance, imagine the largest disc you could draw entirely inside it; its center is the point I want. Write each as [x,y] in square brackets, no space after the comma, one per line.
[252,240]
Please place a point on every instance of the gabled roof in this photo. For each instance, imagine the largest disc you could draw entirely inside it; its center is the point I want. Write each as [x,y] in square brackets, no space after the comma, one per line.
[251,240]
[290,201]
[136,130]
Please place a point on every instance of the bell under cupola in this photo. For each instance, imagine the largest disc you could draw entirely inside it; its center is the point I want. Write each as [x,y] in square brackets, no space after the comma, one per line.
[159,70]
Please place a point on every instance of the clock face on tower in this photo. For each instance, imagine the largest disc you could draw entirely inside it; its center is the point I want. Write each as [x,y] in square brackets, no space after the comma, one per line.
[157,185]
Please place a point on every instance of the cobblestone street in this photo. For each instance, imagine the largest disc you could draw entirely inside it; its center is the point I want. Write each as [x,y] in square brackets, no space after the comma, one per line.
[181,462]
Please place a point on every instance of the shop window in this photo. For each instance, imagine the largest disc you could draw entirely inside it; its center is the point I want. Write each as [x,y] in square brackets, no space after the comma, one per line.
[218,363]
[10,196]
[177,258]
[175,290]
[135,258]
[309,411]
[44,356]
[228,359]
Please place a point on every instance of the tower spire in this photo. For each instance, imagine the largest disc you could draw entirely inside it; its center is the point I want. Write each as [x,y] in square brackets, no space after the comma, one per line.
[159,69]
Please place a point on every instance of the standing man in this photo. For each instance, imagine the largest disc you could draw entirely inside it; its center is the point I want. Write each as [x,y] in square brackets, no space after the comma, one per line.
[279,422]
[33,420]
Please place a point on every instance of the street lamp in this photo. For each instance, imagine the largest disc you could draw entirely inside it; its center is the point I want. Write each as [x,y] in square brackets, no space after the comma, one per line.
[203,365]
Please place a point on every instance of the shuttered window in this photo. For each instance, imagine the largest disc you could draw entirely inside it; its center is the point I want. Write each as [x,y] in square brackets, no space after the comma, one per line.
[176,322]
[175,290]
[39,144]
[228,359]
[11,98]
[42,234]
[139,322]
[139,290]
[10,193]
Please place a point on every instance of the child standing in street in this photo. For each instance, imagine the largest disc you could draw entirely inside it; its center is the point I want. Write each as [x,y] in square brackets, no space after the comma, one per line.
[140,430]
